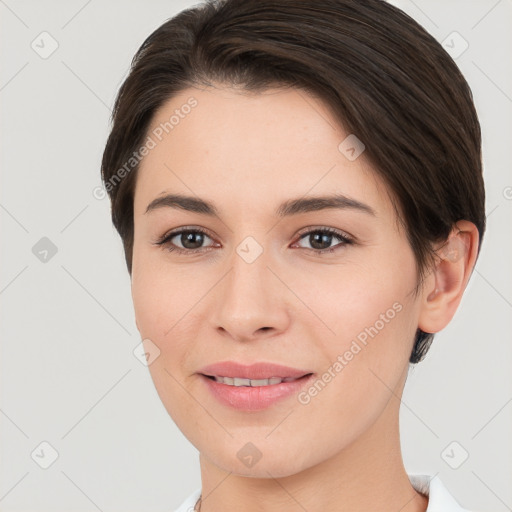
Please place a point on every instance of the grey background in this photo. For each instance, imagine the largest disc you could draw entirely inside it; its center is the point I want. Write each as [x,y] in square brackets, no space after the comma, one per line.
[68,373]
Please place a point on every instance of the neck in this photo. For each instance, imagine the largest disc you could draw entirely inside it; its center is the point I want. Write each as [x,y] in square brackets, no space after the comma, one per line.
[366,475]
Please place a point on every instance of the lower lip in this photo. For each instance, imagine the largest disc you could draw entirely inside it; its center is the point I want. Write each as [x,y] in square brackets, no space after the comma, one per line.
[248,398]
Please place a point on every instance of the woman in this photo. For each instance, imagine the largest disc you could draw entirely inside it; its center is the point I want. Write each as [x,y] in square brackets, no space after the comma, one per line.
[298,188]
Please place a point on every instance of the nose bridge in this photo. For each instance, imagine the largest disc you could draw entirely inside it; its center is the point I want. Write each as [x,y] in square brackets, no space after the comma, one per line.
[248,279]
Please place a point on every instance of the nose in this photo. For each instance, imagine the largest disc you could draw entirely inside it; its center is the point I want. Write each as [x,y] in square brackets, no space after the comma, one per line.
[250,302]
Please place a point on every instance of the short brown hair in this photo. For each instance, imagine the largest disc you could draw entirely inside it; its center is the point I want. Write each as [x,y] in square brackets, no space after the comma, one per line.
[381,74]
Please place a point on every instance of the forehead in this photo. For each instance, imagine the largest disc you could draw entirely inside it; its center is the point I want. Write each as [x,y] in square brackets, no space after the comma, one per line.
[242,148]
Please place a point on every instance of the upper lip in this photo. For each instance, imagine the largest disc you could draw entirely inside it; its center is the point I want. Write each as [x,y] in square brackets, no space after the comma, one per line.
[261,370]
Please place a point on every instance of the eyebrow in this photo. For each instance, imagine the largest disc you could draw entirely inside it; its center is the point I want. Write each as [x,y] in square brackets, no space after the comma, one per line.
[288,208]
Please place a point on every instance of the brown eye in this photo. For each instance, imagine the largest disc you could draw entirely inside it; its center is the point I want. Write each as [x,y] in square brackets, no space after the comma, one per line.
[185,241]
[191,239]
[320,240]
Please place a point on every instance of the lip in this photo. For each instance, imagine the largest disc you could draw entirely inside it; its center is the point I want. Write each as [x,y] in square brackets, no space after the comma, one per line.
[245,398]
[261,370]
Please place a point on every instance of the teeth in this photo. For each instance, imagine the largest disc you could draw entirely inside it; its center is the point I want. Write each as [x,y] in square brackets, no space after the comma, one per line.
[238,381]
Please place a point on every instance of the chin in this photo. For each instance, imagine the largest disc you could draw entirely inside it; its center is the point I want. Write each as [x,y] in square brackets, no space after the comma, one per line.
[249,461]
[261,469]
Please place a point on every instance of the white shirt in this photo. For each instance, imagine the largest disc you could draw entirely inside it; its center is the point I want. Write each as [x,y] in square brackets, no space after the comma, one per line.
[439,499]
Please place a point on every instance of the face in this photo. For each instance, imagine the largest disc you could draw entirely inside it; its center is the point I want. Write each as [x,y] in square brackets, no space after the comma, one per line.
[270,277]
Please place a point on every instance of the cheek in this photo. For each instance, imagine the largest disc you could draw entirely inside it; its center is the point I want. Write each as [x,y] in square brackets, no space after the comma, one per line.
[357,301]
[163,300]
[162,294]
[167,302]
[157,303]
[372,319]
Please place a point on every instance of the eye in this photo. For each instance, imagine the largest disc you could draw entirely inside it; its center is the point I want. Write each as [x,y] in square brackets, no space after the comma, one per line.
[320,240]
[191,240]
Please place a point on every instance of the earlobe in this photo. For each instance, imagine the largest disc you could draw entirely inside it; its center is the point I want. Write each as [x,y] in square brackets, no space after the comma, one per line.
[454,263]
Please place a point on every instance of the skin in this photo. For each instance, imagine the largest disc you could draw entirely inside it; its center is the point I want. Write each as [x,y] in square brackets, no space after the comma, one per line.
[248,153]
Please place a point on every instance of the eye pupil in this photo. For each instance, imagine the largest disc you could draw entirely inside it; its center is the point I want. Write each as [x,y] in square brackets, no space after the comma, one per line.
[194,238]
[320,238]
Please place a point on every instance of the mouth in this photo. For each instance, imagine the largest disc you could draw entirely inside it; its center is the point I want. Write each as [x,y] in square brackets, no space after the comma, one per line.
[243,382]
[253,387]
[255,374]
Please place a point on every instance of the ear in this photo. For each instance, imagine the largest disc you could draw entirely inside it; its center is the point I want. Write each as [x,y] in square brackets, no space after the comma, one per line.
[442,290]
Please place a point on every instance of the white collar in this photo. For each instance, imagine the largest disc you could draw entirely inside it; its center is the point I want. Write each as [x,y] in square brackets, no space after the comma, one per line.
[439,498]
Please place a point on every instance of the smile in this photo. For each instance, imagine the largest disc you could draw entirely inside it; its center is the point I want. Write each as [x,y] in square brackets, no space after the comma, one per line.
[240,381]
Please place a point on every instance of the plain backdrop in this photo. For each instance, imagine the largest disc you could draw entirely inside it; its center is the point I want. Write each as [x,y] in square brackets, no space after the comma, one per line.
[69,377]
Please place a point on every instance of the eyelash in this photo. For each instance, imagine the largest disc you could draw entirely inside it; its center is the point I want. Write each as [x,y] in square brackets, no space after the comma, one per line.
[164,241]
